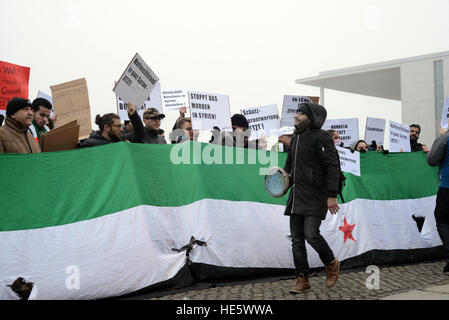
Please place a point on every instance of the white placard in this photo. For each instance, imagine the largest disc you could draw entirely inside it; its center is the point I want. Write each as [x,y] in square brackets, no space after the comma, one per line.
[41,94]
[349,161]
[175,99]
[289,107]
[445,115]
[348,129]
[153,101]
[136,82]
[209,110]
[399,137]
[262,120]
[375,131]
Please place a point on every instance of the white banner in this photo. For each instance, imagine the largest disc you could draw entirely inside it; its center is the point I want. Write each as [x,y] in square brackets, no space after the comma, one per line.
[136,82]
[289,107]
[349,161]
[399,137]
[445,115]
[262,120]
[375,131]
[209,110]
[175,99]
[348,129]
[153,101]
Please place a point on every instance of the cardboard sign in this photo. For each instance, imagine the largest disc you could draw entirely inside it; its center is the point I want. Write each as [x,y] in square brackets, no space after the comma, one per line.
[289,107]
[61,138]
[375,131]
[349,162]
[136,82]
[399,137]
[153,101]
[13,83]
[71,102]
[209,110]
[175,99]
[445,115]
[348,129]
[262,120]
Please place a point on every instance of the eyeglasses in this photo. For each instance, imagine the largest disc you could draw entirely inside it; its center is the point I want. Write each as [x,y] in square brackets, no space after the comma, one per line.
[155,119]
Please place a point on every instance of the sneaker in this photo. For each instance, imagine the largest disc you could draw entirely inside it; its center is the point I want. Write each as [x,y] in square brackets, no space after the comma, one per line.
[302,285]
[332,273]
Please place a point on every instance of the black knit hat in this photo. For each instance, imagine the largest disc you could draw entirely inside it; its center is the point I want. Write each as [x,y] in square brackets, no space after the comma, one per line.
[15,104]
[239,120]
[304,108]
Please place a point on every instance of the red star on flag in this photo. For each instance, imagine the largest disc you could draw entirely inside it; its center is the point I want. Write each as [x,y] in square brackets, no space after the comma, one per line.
[347,230]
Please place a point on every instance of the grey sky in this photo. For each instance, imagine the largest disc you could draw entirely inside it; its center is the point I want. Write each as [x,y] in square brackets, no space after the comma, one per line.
[251,50]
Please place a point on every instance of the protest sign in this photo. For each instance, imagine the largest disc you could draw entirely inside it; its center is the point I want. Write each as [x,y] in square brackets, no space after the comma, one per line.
[13,82]
[375,131]
[209,110]
[349,161]
[445,115]
[262,120]
[41,94]
[153,101]
[175,99]
[136,82]
[399,137]
[71,102]
[289,107]
[348,129]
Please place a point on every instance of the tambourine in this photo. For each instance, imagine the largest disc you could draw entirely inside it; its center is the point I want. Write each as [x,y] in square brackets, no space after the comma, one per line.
[277,182]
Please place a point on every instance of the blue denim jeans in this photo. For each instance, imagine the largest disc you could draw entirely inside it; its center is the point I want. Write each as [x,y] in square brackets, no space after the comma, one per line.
[442,218]
[304,228]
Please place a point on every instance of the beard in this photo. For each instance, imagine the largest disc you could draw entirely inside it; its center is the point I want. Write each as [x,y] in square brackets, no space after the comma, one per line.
[302,125]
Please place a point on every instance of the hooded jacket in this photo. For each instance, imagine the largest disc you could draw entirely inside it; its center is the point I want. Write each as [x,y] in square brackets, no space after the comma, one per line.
[15,138]
[312,163]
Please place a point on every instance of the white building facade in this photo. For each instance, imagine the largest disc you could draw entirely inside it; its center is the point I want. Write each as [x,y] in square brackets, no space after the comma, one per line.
[420,83]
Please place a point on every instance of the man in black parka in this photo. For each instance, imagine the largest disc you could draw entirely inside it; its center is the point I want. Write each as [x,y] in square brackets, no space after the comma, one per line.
[313,166]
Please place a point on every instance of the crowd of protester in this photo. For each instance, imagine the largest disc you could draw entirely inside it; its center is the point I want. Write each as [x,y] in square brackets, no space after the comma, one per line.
[26,121]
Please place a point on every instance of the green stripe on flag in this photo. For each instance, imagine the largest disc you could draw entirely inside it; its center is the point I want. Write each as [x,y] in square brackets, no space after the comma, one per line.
[51,189]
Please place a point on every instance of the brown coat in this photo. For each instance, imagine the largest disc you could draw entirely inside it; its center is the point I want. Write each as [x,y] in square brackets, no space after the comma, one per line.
[14,138]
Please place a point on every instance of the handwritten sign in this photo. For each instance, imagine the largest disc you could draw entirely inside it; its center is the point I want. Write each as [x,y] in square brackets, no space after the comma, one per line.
[399,137]
[175,99]
[153,101]
[375,131]
[262,120]
[136,82]
[349,162]
[289,107]
[348,129]
[209,110]
[71,102]
[13,83]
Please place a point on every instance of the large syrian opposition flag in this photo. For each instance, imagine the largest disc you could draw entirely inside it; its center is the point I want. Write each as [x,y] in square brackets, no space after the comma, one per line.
[110,220]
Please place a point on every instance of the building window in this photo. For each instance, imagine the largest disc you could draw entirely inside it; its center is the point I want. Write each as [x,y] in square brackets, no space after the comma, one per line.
[439,93]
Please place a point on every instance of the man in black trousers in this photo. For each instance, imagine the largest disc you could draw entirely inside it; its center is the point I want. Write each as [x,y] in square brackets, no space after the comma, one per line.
[312,163]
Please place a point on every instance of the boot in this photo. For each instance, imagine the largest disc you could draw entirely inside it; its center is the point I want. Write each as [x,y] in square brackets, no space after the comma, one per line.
[332,273]
[302,285]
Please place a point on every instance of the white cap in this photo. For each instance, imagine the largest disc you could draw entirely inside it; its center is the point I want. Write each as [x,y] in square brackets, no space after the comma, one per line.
[285,130]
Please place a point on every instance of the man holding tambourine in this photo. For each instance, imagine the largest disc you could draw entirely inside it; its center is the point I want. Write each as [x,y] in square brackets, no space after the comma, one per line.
[312,172]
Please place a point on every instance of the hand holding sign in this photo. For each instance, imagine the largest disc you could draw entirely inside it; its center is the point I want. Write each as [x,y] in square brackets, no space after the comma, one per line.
[182,112]
[131,109]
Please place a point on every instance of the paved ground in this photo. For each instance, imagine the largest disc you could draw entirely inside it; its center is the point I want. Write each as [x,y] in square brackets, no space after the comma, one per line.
[417,281]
